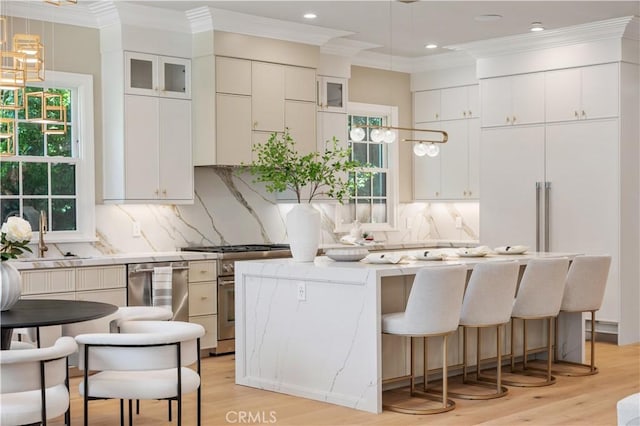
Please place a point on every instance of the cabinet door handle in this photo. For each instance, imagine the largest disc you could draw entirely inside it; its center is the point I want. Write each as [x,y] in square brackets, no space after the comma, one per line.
[464,113]
[469,114]
[584,115]
[513,120]
[508,120]
[157,192]
[470,193]
[255,124]
[575,113]
[437,116]
[164,192]
[464,193]
[203,297]
[437,194]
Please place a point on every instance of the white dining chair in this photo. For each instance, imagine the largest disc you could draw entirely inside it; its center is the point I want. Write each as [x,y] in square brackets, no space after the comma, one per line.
[146,360]
[34,383]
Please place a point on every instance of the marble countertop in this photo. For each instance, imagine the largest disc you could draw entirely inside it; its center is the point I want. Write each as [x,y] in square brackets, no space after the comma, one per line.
[325,266]
[114,259]
[405,245]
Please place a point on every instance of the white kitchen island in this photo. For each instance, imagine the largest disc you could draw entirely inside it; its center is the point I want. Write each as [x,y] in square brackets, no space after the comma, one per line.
[313,329]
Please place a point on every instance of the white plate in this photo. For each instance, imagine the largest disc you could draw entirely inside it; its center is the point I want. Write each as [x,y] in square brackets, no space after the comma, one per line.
[347,255]
[511,249]
[479,251]
[470,254]
[385,258]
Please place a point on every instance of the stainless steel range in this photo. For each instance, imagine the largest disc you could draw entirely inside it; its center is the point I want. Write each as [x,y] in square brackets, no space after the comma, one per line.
[226,281]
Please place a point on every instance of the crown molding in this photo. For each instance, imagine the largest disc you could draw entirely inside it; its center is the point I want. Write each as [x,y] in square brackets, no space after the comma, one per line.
[79,14]
[443,61]
[600,30]
[633,29]
[383,62]
[346,47]
[241,23]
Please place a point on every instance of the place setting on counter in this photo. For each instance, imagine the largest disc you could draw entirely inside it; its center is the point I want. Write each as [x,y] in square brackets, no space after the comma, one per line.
[362,254]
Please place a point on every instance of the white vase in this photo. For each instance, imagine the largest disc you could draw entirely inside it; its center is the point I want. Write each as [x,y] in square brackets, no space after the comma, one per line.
[11,286]
[303,230]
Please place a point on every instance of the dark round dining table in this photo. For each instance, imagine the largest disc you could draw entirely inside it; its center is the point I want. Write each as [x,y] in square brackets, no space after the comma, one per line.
[44,312]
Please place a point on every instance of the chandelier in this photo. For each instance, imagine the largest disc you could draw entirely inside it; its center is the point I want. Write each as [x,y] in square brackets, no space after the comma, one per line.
[387,134]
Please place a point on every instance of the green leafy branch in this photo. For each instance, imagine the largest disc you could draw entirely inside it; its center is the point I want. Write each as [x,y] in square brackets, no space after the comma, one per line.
[281,167]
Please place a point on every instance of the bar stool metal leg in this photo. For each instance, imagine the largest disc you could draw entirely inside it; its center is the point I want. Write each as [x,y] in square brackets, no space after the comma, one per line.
[575,368]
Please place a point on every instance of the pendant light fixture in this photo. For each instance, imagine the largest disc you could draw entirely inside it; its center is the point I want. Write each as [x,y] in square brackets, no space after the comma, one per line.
[387,133]
[421,146]
[53,114]
[33,50]
[61,2]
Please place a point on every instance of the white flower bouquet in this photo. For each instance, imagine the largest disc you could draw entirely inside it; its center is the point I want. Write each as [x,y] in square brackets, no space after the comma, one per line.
[16,234]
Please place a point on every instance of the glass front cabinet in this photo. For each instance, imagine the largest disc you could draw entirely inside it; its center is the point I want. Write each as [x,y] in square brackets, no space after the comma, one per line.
[154,75]
[332,94]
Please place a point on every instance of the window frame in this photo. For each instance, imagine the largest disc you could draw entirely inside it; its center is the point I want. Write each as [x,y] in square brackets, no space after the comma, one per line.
[82,128]
[391,114]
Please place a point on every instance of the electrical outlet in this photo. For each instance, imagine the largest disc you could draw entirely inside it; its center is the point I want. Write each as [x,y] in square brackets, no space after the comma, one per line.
[135,230]
[458,222]
[301,292]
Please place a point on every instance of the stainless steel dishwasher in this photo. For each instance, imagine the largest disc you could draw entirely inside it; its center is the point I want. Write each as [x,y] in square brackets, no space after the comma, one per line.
[140,286]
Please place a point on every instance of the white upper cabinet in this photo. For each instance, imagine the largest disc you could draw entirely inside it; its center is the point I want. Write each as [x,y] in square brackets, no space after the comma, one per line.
[301,122]
[154,75]
[459,103]
[267,97]
[426,106]
[233,76]
[512,100]
[332,94]
[426,172]
[299,84]
[158,163]
[582,93]
[255,99]
[147,147]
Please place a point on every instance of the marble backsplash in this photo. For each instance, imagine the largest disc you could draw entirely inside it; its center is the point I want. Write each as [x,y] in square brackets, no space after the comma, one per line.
[230,209]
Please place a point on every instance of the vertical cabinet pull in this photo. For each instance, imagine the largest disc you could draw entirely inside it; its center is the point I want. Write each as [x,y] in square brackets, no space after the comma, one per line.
[538,187]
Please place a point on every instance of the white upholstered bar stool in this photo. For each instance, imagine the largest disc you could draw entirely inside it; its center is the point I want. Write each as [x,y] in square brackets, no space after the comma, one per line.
[584,292]
[539,297]
[433,309]
[488,302]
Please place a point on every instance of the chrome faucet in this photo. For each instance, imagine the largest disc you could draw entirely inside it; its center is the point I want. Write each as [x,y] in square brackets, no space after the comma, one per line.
[42,229]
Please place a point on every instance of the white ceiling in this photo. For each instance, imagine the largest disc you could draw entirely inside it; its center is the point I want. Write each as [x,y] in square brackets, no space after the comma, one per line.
[404,28]
[375,28]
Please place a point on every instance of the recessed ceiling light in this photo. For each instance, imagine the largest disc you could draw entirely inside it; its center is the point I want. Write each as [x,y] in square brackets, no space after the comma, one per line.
[536,26]
[431,46]
[487,18]
[310,15]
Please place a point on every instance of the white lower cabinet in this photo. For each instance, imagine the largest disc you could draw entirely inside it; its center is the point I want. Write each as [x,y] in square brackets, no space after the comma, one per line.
[203,305]
[107,284]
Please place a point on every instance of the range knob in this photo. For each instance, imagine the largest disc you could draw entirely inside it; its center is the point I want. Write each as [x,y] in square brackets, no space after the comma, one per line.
[227,267]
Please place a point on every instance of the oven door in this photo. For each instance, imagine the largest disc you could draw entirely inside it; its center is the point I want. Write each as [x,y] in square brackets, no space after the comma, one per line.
[226,308]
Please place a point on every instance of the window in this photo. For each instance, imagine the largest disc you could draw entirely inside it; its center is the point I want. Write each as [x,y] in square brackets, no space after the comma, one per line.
[53,172]
[372,201]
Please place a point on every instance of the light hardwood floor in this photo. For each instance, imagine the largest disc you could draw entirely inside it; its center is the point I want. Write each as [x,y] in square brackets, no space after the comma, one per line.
[571,401]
